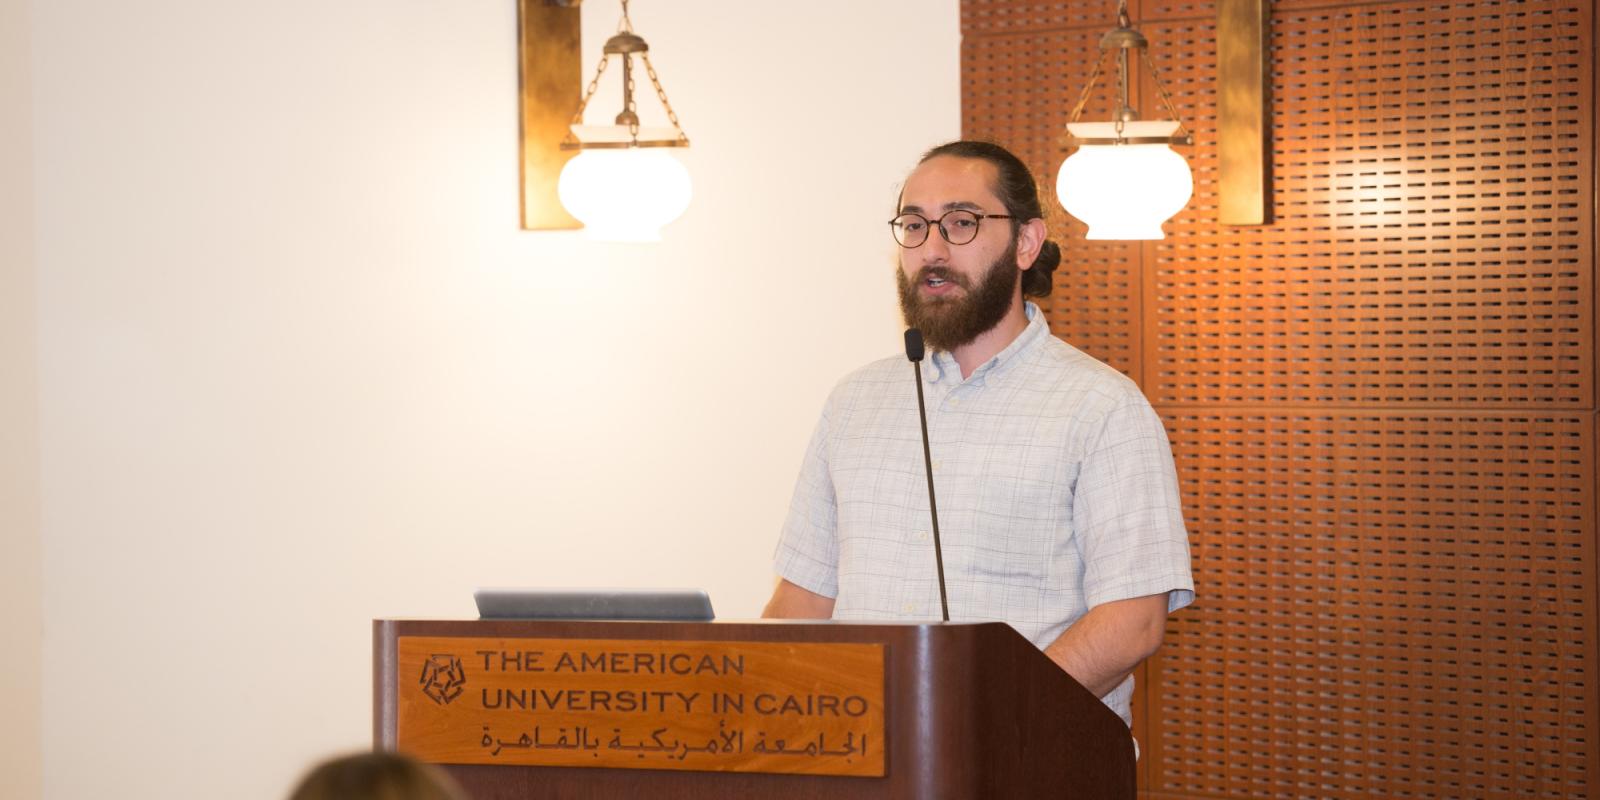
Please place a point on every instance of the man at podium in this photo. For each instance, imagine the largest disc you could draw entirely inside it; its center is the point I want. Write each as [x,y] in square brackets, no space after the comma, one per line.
[1053,482]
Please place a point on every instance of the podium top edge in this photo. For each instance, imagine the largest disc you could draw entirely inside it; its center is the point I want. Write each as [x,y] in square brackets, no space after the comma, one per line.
[716,622]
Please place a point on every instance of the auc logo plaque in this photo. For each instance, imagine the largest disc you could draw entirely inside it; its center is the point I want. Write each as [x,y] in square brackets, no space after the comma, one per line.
[443,678]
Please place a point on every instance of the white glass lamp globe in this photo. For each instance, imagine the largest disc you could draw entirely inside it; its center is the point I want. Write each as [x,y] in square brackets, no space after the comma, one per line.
[1124,191]
[625,194]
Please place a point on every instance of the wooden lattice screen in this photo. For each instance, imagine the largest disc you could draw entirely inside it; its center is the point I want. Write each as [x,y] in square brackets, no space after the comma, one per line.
[1382,405]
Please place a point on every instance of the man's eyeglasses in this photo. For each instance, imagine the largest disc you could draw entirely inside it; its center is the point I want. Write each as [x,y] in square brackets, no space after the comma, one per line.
[957,227]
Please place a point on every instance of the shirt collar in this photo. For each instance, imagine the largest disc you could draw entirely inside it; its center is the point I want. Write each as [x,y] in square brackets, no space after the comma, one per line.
[944,363]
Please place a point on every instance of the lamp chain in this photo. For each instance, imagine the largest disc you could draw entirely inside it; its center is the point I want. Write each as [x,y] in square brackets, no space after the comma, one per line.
[1122,90]
[662,93]
[1122,80]
[594,84]
[1166,99]
[1088,89]
[630,105]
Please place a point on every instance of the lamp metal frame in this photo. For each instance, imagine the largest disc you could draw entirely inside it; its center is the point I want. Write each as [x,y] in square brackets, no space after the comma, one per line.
[1119,41]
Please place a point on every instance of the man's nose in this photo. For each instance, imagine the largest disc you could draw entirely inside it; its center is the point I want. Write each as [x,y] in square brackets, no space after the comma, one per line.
[936,248]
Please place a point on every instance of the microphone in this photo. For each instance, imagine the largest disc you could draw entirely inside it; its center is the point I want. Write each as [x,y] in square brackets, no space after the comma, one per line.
[915,352]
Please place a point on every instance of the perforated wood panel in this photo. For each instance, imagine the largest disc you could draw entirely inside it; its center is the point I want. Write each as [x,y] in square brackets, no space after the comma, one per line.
[1432,236]
[1382,405]
[1398,605]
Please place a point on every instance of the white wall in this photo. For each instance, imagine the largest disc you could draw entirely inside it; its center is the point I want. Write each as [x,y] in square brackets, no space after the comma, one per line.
[20,619]
[298,368]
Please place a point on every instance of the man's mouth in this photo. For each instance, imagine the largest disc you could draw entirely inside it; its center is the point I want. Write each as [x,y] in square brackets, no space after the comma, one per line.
[936,279]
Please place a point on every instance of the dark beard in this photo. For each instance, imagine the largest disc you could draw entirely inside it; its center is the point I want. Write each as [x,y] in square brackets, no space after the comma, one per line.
[950,323]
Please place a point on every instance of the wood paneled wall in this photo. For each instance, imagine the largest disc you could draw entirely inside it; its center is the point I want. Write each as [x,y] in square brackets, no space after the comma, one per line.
[1382,405]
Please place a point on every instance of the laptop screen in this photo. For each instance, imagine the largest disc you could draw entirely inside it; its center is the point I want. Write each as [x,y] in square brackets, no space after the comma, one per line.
[682,605]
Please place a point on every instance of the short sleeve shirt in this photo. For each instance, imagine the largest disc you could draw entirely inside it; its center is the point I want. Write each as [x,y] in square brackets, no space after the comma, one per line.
[1054,481]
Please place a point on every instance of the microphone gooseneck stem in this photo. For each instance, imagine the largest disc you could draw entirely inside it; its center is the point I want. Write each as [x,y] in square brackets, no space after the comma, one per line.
[933,507]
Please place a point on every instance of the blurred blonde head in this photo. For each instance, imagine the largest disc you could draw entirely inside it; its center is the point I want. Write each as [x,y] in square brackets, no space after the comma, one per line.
[377,776]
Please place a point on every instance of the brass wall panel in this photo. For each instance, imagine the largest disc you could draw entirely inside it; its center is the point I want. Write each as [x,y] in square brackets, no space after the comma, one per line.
[1242,103]
[551,85]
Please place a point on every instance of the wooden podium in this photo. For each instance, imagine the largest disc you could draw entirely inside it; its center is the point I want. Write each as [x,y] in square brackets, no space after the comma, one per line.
[774,710]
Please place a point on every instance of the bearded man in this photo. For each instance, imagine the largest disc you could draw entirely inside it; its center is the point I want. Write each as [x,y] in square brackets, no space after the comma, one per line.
[1057,492]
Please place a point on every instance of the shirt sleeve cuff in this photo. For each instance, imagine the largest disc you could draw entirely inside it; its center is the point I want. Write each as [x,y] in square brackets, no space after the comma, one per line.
[806,573]
[1178,588]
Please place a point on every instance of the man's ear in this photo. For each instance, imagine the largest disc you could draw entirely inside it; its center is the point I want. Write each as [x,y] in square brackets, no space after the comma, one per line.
[1030,237]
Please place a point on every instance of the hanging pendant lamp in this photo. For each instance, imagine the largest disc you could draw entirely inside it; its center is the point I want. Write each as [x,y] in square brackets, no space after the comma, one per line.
[624,185]
[1125,179]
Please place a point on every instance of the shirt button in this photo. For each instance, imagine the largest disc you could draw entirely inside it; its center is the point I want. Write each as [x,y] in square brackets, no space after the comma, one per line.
[937,463]
[907,608]
[955,401]
[922,536]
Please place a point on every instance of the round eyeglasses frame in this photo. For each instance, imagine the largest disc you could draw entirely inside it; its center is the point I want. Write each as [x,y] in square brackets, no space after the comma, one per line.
[897,226]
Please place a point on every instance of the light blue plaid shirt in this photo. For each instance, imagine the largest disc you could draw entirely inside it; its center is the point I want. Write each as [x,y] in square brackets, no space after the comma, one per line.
[1055,485]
